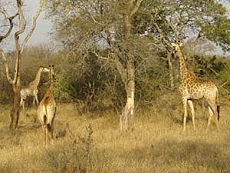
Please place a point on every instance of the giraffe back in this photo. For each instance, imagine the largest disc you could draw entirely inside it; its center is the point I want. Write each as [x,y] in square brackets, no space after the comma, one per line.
[196,88]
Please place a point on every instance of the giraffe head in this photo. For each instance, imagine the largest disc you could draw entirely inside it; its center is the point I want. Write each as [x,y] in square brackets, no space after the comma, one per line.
[52,73]
[44,69]
[177,46]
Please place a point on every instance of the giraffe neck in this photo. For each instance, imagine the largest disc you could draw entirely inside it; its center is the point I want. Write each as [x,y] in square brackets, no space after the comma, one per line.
[183,65]
[36,81]
[51,86]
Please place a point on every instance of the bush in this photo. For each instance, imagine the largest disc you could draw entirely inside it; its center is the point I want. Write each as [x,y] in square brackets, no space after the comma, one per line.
[224,77]
[76,156]
[4,97]
[95,83]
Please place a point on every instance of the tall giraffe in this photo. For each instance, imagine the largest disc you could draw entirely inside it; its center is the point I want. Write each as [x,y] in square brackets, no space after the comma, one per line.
[192,87]
[47,108]
[32,88]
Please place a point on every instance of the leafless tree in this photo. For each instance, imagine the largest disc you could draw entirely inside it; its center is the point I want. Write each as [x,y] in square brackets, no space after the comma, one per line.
[15,80]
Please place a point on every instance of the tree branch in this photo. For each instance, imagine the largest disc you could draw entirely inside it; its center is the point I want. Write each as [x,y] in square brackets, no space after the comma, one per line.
[175,31]
[99,56]
[121,69]
[35,18]
[157,46]
[136,7]
[162,35]
[22,27]
[6,67]
[3,11]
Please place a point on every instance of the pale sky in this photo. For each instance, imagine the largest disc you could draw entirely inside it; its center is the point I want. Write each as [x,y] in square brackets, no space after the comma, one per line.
[41,35]
[44,26]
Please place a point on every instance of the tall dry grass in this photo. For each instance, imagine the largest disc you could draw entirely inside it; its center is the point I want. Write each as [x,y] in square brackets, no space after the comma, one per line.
[92,142]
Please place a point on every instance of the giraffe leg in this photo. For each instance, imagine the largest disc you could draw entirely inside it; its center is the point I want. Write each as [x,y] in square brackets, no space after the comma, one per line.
[46,136]
[51,136]
[126,122]
[193,113]
[44,132]
[36,99]
[217,122]
[33,100]
[52,129]
[213,109]
[121,122]
[23,104]
[209,118]
[185,114]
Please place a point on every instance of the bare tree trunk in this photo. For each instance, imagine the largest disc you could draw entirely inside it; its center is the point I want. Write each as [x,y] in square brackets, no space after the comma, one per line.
[15,111]
[171,77]
[15,82]
[126,118]
[128,111]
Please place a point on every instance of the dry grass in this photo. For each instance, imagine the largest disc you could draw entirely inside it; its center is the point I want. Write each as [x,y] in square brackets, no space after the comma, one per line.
[93,143]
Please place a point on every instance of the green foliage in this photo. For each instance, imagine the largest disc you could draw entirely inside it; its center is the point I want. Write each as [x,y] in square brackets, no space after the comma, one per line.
[6,91]
[218,31]
[176,20]
[208,65]
[213,68]
[151,80]
[224,76]
[4,97]
[85,80]
[96,84]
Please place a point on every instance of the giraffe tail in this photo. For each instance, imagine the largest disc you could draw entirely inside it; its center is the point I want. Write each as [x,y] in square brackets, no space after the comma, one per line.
[218,112]
[218,106]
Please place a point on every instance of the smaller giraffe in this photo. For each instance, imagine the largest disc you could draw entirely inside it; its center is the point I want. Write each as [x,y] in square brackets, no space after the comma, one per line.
[47,109]
[32,88]
[192,87]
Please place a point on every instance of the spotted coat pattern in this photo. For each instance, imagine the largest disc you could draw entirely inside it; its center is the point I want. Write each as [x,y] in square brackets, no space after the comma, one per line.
[192,87]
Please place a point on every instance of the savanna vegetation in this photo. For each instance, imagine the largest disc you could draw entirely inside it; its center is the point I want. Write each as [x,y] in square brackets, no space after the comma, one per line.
[119,109]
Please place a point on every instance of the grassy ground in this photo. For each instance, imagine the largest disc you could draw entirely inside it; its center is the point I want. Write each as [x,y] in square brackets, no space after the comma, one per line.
[93,142]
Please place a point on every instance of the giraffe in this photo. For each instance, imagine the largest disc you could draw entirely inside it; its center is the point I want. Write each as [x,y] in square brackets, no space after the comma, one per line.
[32,88]
[192,87]
[47,108]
